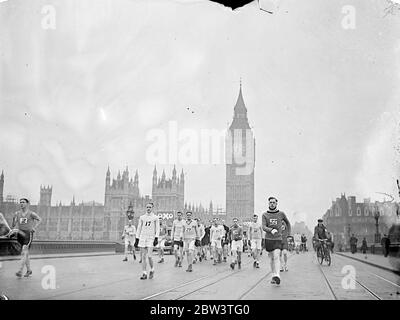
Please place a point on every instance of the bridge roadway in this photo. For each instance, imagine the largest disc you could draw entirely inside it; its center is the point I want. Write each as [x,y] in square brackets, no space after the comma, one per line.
[108,277]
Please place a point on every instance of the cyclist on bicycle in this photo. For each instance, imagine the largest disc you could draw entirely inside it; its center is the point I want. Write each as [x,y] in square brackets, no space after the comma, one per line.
[320,233]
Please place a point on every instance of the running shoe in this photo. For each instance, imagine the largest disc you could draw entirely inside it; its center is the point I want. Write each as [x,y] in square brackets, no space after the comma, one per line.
[125,259]
[189,269]
[28,273]
[151,274]
[143,277]
[255,264]
[19,274]
[232,266]
[276,280]
[286,268]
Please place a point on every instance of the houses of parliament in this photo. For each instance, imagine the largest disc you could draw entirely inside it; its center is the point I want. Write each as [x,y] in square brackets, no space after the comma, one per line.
[95,221]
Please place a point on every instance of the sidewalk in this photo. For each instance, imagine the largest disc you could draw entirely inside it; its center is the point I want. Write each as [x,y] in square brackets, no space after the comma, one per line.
[375,260]
[57,255]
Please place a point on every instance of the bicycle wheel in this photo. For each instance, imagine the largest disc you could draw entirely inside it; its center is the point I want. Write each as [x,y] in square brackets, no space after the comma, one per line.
[320,255]
[328,257]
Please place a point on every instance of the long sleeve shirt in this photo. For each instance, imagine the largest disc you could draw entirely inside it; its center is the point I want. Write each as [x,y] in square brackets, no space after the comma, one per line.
[273,220]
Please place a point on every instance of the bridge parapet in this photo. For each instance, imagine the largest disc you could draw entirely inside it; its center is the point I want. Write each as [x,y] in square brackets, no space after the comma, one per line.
[12,247]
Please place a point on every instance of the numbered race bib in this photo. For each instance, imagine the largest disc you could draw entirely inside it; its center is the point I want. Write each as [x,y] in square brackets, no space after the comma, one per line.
[273,222]
[23,220]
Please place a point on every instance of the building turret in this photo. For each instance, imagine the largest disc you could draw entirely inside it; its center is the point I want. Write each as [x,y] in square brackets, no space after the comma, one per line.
[174,175]
[45,195]
[1,187]
[136,181]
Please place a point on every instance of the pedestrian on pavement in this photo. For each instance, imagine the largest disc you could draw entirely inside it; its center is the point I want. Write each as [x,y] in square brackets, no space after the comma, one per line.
[330,242]
[364,247]
[353,244]
[272,225]
[385,242]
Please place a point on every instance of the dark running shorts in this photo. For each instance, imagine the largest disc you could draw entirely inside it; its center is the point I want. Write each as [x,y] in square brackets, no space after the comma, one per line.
[205,242]
[271,245]
[178,243]
[284,245]
[24,238]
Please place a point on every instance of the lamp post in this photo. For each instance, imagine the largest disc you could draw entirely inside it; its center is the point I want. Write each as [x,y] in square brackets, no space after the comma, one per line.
[376,216]
[349,232]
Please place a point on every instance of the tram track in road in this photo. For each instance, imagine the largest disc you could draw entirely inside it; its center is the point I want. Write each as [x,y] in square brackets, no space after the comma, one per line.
[366,288]
[327,282]
[230,273]
[360,283]
[254,286]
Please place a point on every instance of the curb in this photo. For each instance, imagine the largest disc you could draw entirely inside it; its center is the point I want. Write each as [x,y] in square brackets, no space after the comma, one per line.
[370,263]
[59,256]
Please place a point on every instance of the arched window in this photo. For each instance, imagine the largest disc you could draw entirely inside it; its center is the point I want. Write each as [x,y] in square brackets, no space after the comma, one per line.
[366,211]
[358,211]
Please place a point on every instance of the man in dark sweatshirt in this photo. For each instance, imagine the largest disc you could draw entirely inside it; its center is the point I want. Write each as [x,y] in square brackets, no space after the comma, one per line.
[272,225]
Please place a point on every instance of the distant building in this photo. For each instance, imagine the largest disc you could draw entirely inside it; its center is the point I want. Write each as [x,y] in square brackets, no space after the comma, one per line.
[347,216]
[95,221]
[240,145]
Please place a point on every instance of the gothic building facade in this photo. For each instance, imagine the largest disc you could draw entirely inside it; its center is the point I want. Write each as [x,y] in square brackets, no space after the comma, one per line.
[346,216]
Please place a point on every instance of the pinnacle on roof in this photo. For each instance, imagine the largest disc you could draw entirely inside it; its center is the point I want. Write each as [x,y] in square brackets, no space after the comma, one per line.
[240,106]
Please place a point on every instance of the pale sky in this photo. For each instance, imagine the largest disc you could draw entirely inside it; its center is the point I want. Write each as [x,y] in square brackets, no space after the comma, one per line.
[323,100]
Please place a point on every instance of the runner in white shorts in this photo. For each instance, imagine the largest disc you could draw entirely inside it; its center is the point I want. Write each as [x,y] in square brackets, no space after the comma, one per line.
[190,238]
[129,236]
[216,233]
[161,242]
[236,236]
[177,238]
[148,232]
[255,234]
